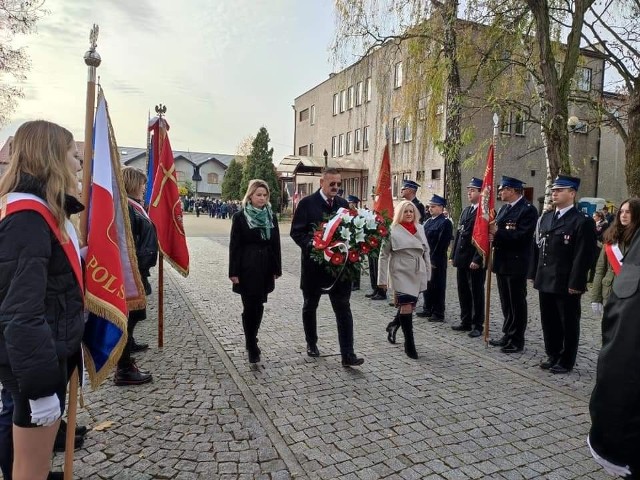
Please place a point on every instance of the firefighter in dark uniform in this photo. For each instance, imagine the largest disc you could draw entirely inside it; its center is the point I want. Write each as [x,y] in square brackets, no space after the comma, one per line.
[566,245]
[408,192]
[470,270]
[353,205]
[439,230]
[512,236]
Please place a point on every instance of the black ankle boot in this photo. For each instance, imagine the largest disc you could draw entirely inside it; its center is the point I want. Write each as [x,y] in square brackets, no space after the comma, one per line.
[392,329]
[406,321]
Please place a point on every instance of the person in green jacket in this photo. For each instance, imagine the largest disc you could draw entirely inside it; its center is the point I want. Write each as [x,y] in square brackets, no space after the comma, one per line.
[615,243]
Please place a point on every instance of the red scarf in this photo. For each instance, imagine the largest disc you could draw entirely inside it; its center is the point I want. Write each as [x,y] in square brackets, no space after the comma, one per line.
[410,226]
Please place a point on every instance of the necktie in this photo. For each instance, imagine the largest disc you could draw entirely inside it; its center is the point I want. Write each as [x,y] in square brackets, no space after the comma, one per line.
[330,202]
[556,216]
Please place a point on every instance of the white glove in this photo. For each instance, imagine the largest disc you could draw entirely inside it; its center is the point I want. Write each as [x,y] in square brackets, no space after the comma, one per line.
[45,411]
[611,468]
[597,308]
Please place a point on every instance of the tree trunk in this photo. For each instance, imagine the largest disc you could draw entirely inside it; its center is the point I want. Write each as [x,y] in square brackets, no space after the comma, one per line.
[632,145]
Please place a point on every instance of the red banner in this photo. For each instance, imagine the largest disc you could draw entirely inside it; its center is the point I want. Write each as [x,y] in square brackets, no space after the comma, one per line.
[165,209]
[384,201]
[486,211]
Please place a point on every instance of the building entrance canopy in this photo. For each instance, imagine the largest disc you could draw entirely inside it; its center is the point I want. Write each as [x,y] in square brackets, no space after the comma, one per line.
[293,165]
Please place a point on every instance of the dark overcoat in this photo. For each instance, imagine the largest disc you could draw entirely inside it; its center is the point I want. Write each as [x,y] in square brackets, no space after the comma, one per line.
[615,416]
[463,251]
[311,212]
[566,251]
[438,231]
[252,259]
[513,241]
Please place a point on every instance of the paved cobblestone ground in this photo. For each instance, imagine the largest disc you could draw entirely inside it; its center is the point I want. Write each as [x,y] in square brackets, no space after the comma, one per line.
[461,411]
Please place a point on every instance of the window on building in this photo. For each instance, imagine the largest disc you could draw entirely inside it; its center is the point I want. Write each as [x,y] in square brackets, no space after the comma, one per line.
[397,77]
[212,178]
[357,144]
[334,147]
[436,174]
[408,132]
[336,103]
[519,124]
[311,149]
[422,109]
[359,93]
[394,185]
[303,151]
[304,115]
[365,138]
[440,109]
[420,176]
[583,79]
[343,101]
[312,116]
[396,130]
[341,144]
[352,97]
[180,175]
[368,91]
[505,123]
[348,143]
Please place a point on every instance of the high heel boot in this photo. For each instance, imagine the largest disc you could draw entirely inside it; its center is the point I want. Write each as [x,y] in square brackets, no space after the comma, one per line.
[392,329]
[406,321]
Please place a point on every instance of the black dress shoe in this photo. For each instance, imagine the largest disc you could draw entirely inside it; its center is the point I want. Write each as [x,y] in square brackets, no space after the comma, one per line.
[461,328]
[131,375]
[369,295]
[423,314]
[55,476]
[139,347]
[254,356]
[379,296]
[548,363]
[313,351]
[351,360]
[475,333]
[60,442]
[511,348]
[434,319]
[499,343]
[558,369]
[80,429]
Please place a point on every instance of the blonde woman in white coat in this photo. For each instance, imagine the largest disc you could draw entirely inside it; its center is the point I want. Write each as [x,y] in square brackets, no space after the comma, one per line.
[404,266]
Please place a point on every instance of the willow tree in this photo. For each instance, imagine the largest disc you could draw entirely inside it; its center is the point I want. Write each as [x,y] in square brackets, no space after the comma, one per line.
[612,29]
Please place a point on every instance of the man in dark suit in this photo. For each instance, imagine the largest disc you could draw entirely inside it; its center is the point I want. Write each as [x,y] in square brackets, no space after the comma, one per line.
[566,247]
[615,417]
[439,230]
[470,270]
[314,278]
[512,236]
[408,192]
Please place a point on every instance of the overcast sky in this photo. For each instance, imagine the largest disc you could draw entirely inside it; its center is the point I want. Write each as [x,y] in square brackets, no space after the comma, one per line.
[224,68]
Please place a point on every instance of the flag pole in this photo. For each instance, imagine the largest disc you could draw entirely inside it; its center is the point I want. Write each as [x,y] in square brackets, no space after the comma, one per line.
[160,111]
[487,300]
[92,60]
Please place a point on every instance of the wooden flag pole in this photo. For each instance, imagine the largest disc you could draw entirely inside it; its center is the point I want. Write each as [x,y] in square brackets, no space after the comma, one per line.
[160,111]
[92,60]
[487,299]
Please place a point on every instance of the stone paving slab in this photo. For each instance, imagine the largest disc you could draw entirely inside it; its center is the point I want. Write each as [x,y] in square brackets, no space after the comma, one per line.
[461,411]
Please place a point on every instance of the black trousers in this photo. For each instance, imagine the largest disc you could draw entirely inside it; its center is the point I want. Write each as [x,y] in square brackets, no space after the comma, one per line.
[132,320]
[340,302]
[471,296]
[373,272]
[560,318]
[513,299]
[253,308]
[434,295]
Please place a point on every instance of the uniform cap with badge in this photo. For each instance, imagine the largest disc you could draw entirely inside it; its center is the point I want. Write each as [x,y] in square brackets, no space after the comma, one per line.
[410,184]
[353,199]
[565,181]
[438,200]
[475,183]
[511,183]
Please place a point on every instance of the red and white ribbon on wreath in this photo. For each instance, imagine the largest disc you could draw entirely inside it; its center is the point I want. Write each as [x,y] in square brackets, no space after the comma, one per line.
[330,229]
[614,255]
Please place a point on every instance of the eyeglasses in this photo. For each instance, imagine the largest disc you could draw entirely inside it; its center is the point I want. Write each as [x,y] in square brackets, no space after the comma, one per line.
[335,184]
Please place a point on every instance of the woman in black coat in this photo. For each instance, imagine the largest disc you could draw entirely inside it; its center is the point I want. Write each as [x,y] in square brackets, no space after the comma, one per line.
[254,259]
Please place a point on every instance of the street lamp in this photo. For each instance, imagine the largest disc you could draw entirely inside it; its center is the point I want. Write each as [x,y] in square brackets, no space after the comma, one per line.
[326,155]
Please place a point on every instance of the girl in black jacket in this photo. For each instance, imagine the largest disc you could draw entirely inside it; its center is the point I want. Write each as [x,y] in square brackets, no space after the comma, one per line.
[254,259]
[41,298]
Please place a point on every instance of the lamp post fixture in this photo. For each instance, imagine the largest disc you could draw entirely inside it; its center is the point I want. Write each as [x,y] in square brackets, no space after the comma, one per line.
[326,155]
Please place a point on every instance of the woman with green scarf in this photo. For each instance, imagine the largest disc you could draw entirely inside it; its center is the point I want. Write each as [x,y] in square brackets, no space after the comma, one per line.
[254,259]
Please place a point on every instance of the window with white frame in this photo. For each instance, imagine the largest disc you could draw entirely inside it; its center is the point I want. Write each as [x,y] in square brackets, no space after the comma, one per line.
[357,144]
[336,103]
[311,149]
[341,145]
[312,114]
[397,77]
[343,101]
[365,138]
[583,79]
[348,143]
[408,132]
[212,178]
[352,97]
[396,130]
[518,124]
[334,146]
[180,176]
[422,109]
[359,93]
[368,89]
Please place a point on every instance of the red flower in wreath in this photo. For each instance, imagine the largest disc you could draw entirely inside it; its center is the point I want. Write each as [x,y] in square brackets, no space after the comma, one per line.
[337,258]
[354,256]
[373,241]
[365,248]
[382,230]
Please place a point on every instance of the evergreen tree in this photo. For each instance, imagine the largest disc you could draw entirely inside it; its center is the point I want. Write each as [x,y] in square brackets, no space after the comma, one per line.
[231,182]
[259,164]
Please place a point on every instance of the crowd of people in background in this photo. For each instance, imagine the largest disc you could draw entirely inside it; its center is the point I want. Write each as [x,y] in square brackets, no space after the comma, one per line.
[214,208]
